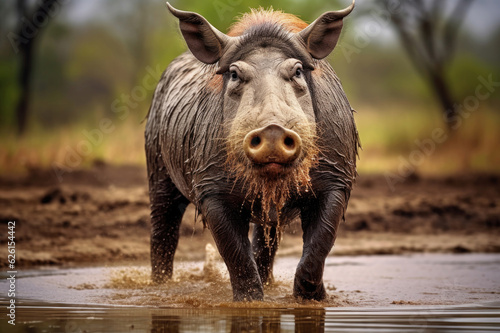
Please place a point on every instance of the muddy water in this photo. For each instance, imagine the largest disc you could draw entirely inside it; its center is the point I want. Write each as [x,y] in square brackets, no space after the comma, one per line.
[367,293]
[67,318]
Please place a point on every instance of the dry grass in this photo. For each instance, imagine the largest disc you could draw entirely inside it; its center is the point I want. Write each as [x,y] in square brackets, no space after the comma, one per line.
[388,137]
[70,147]
[389,142]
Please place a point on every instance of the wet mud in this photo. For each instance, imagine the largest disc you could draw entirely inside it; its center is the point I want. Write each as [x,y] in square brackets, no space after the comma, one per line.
[100,216]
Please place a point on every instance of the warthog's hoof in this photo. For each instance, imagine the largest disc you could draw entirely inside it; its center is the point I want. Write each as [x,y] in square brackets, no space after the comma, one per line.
[307,290]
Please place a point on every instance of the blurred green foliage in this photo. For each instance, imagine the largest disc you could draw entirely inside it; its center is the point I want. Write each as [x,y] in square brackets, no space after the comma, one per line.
[82,67]
[88,63]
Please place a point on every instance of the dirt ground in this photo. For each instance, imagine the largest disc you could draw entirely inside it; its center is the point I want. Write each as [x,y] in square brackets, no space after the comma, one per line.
[100,216]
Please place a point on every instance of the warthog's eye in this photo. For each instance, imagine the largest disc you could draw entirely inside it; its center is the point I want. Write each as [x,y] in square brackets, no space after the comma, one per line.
[234,76]
[297,70]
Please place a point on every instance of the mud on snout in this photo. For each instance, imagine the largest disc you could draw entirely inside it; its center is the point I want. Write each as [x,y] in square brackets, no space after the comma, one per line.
[272,161]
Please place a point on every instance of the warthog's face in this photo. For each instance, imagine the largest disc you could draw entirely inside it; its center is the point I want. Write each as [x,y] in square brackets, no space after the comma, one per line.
[271,141]
[268,102]
[271,122]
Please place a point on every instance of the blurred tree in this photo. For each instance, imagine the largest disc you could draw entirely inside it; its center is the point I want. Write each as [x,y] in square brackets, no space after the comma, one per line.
[8,66]
[130,21]
[428,31]
[31,22]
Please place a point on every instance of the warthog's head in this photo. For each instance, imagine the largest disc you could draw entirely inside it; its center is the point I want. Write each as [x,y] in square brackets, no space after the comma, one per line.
[264,70]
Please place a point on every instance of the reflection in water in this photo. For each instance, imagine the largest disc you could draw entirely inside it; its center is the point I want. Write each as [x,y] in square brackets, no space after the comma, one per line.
[164,324]
[242,320]
[63,318]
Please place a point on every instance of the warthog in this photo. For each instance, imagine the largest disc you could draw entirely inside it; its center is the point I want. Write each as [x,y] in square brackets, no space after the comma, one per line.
[252,127]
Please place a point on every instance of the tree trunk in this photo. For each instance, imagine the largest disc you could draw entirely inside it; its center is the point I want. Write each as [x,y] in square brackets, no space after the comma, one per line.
[442,91]
[26,53]
[429,35]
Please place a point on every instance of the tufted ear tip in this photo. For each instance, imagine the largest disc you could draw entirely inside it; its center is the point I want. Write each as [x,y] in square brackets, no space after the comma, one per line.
[349,9]
[171,8]
[180,14]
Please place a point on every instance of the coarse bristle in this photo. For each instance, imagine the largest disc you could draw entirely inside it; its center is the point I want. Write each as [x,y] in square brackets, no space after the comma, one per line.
[261,16]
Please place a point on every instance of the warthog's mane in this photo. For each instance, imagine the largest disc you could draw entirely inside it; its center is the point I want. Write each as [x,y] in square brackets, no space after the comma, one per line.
[260,16]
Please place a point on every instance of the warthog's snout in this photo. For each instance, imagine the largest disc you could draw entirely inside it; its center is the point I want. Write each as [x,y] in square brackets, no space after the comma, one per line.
[272,144]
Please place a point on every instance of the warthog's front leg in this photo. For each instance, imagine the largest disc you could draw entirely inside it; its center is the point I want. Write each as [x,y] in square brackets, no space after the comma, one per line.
[320,221]
[230,231]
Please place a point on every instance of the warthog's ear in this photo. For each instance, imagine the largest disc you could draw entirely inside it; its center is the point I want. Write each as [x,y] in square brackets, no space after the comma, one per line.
[322,35]
[205,42]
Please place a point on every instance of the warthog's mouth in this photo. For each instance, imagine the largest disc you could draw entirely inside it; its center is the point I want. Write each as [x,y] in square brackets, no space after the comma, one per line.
[273,170]
[272,184]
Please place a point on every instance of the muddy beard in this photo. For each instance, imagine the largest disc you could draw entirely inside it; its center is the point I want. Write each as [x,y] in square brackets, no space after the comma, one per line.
[271,191]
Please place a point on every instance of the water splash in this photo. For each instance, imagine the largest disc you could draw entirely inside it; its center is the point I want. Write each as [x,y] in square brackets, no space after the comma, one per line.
[207,284]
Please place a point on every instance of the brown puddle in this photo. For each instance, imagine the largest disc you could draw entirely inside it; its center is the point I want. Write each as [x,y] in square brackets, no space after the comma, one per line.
[367,293]
[363,281]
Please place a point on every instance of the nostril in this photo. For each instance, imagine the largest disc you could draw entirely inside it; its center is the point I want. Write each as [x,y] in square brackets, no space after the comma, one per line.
[255,141]
[272,144]
[289,142]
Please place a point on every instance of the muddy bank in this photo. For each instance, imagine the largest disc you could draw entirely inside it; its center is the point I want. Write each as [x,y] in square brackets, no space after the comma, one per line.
[101,216]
